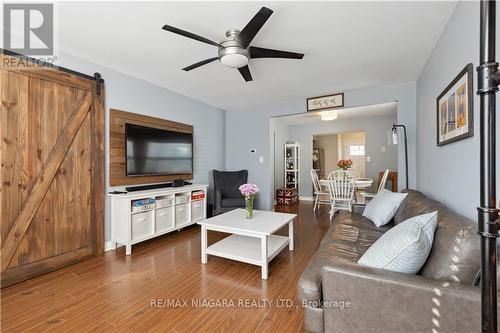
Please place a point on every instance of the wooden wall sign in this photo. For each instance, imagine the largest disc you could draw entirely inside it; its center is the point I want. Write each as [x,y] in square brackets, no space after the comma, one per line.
[117,154]
[325,102]
[52,171]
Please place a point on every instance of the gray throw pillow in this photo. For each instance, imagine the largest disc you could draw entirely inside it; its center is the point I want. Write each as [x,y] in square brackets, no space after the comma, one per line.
[405,247]
[381,209]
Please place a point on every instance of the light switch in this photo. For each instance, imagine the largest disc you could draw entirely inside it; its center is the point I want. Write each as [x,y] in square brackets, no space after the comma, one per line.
[261,159]
[368,158]
[382,149]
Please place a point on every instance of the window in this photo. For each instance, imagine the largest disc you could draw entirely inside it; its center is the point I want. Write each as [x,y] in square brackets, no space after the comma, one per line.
[356,150]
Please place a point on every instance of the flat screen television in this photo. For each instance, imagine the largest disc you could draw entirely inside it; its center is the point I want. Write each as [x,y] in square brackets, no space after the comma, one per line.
[153,151]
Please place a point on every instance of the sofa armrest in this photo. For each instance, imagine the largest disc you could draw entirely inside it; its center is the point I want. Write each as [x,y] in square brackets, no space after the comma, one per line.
[358,298]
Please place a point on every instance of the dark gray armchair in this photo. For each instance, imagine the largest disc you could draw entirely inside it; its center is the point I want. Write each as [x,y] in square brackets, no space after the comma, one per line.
[227,193]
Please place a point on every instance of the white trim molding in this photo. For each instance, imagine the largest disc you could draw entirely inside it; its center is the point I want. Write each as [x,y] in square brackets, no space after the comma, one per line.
[306,198]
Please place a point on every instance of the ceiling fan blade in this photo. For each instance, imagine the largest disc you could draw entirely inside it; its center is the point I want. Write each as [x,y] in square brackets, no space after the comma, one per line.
[189,35]
[245,72]
[198,64]
[260,52]
[252,28]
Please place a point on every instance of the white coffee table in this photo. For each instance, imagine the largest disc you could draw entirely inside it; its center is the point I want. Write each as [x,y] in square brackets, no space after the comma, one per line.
[252,240]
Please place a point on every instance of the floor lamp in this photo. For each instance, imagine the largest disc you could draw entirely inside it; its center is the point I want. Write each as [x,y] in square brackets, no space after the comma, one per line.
[395,141]
[488,80]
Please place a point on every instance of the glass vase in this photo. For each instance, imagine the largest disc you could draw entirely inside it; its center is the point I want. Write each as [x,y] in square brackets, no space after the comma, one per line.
[249,206]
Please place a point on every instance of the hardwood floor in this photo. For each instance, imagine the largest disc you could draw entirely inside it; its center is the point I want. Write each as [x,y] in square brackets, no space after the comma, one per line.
[117,293]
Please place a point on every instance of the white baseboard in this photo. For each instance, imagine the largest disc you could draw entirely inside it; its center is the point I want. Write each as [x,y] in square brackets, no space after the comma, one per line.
[306,198]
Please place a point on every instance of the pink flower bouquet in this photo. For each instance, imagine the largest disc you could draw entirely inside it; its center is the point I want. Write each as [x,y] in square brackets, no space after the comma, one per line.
[249,191]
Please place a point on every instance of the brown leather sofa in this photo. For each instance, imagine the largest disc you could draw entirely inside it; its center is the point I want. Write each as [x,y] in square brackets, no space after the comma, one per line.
[338,295]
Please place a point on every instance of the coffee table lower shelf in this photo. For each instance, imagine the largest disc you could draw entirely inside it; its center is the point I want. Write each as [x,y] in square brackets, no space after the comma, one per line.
[247,249]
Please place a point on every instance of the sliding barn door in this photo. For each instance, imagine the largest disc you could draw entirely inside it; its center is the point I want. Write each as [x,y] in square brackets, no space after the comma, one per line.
[51,174]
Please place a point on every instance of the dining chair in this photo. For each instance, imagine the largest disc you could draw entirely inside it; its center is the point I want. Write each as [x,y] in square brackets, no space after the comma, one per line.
[341,187]
[321,197]
[381,186]
[355,175]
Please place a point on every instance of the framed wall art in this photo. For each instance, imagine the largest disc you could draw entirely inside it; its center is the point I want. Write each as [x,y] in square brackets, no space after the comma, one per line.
[455,113]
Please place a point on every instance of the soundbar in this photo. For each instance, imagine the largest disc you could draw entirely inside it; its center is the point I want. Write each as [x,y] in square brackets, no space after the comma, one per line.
[147,187]
[177,183]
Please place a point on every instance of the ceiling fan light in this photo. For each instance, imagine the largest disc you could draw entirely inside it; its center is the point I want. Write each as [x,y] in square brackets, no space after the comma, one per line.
[328,115]
[234,60]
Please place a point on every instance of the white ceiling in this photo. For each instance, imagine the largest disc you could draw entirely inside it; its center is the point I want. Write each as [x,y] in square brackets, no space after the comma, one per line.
[347,45]
[376,110]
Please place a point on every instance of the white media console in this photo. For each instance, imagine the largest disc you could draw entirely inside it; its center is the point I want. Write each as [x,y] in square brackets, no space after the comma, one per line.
[138,216]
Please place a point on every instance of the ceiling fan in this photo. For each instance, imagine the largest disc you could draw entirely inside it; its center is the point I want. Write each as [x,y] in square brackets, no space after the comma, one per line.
[235,51]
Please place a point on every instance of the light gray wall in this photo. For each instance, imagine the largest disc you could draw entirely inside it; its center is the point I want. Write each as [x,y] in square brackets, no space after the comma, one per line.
[375,129]
[250,128]
[127,93]
[450,173]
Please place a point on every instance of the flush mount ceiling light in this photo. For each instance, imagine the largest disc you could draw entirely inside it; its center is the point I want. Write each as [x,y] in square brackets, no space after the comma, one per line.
[328,115]
[233,56]
[234,60]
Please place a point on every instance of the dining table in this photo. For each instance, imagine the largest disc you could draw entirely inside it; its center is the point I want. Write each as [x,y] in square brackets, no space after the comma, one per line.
[359,183]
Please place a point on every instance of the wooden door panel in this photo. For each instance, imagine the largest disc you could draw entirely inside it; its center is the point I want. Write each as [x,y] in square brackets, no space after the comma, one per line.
[51,154]
[42,184]
[62,222]
[50,107]
[44,116]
